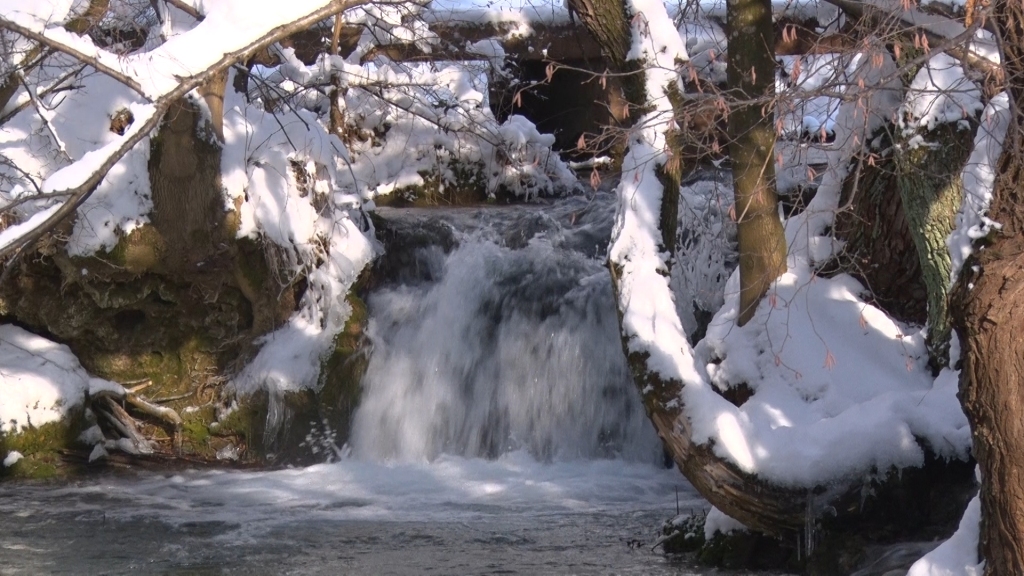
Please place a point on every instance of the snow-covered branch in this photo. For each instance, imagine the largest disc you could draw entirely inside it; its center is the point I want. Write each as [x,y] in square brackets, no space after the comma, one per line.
[982,53]
[78,180]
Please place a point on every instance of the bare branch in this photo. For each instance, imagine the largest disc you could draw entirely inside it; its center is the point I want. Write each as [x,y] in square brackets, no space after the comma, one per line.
[191,11]
[914,22]
[53,87]
[80,193]
[74,53]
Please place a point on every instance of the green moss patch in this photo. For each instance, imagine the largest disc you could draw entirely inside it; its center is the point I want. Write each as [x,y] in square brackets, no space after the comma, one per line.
[41,447]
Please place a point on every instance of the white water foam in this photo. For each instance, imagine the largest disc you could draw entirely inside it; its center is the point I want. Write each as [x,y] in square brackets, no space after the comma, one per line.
[508,350]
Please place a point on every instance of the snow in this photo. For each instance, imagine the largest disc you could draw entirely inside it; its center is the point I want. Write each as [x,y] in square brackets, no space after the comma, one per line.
[228,26]
[839,388]
[91,436]
[717,522]
[81,118]
[523,15]
[98,452]
[295,186]
[12,458]
[940,93]
[12,233]
[290,357]
[705,251]
[979,179]
[322,234]
[40,380]
[42,10]
[957,556]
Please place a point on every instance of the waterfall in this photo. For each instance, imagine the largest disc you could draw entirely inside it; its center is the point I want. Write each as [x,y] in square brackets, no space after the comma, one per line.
[507,342]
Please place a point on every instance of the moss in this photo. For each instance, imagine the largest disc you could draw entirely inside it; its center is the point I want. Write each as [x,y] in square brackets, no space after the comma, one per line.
[41,447]
[683,535]
[239,420]
[931,189]
[468,187]
[297,426]
[232,222]
[342,372]
[747,550]
[273,430]
[195,431]
[140,251]
[171,372]
[252,264]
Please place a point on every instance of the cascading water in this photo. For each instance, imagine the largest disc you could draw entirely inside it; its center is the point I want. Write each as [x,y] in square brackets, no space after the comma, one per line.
[509,342]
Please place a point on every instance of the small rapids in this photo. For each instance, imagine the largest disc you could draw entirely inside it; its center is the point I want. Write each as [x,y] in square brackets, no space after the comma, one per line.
[507,342]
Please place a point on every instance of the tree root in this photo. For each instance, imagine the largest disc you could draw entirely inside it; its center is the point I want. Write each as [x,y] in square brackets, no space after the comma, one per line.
[108,403]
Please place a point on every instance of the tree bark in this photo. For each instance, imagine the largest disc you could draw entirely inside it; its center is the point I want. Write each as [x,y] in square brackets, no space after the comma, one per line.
[188,205]
[608,22]
[931,189]
[751,72]
[879,246]
[987,302]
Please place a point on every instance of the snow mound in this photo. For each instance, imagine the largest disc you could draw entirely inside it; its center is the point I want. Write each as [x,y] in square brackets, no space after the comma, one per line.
[718,522]
[957,556]
[40,380]
[838,387]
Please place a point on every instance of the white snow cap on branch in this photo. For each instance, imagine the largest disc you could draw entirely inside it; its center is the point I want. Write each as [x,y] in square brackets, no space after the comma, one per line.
[941,93]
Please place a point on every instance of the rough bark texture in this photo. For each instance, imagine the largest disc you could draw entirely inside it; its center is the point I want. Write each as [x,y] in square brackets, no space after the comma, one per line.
[986,311]
[608,23]
[879,249]
[751,71]
[901,209]
[931,190]
[188,205]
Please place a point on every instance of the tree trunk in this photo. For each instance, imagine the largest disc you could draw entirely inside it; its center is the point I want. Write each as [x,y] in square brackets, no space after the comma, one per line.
[901,212]
[879,246]
[986,313]
[992,392]
[751,71]
[608,22]
[931,190]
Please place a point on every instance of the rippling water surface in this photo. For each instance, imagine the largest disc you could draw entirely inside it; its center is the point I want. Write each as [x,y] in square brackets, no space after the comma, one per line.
[512,515]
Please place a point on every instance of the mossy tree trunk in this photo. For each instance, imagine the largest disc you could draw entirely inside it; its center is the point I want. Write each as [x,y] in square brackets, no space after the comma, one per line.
[879,248]
[180,300]
[986,306]
[929,178]
[901,212]
[751,73]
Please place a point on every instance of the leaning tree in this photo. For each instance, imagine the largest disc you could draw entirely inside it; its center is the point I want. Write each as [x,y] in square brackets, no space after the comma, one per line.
[924,179]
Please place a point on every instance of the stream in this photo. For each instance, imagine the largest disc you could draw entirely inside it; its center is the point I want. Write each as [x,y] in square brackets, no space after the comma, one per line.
[499,432]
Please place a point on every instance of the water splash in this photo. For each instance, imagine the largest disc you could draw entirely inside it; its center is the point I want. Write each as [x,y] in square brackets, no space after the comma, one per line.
[508,349]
